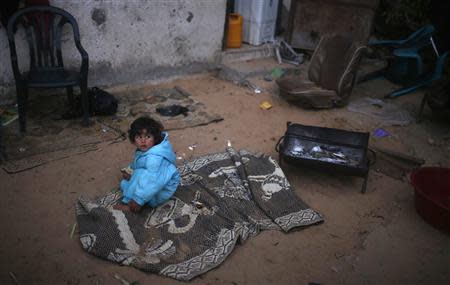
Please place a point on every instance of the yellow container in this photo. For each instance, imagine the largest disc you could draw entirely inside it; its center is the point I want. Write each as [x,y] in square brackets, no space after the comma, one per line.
[234,36]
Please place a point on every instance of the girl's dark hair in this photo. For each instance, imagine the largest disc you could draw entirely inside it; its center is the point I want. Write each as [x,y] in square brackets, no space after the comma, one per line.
[153,127]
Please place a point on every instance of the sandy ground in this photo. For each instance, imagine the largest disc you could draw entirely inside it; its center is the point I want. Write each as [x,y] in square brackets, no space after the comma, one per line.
[372,238]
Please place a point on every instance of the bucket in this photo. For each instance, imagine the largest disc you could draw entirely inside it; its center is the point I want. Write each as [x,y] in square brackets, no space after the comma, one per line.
[234,37]
[432,195]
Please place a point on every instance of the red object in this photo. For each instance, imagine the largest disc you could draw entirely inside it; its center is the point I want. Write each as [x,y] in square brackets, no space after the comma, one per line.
[432,195]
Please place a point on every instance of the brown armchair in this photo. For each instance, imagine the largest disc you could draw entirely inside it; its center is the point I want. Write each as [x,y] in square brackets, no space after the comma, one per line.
[331,75]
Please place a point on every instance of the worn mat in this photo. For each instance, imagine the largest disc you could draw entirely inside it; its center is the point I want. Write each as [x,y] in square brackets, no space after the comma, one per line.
[49,138]
[139,102]
[223,200]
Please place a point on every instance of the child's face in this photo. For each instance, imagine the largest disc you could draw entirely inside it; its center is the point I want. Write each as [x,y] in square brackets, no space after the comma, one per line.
[144,141]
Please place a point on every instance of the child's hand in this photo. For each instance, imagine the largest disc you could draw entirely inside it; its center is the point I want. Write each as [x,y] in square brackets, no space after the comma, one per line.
[126,175]
[134,207]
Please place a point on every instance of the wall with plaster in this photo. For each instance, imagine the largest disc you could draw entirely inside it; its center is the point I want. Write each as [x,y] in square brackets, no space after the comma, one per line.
[131,41]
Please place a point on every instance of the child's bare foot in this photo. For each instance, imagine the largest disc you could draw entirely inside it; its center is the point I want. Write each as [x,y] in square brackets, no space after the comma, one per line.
[121,207]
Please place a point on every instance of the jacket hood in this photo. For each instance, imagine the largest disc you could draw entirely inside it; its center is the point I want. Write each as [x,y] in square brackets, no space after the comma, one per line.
[163,149]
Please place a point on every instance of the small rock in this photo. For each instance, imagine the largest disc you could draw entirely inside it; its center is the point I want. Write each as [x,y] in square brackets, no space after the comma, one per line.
[431,141]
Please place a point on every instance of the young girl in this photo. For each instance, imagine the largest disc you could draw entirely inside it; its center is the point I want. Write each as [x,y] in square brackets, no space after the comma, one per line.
[152,178]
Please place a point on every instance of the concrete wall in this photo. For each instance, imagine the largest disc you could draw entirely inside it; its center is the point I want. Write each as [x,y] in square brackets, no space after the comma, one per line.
[134,40]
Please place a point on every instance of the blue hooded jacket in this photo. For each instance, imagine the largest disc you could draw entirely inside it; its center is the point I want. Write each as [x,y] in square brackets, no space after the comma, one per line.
[155,176]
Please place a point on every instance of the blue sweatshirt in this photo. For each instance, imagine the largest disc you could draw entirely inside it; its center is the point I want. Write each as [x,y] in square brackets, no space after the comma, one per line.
[155,176]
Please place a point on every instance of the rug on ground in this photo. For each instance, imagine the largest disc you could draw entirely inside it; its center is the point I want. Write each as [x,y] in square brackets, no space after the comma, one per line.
[223,200]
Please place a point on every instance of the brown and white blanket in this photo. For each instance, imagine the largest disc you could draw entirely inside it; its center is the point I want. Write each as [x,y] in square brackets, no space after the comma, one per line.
[223,199]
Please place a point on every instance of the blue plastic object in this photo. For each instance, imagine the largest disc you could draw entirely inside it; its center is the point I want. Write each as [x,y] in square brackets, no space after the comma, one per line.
[405,62]
[411,41]
[406,66]
[425,81]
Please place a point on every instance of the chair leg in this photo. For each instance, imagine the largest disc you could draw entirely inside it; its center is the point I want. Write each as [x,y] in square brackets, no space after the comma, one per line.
[85,104]
[22,102]
[70,97]
[406,90]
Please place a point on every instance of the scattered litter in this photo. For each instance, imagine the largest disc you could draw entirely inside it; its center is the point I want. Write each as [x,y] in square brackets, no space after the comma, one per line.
[104,130]
[22,149]
[381,133]
[265,105]
[236,77]
[72,232]
[228,143]
[387,113]
[275,74]
[179,157]
[123,281]
[298,149]
[8,114]
[334,269]
[285,53]
[192,147]
[325,153]
[13,278]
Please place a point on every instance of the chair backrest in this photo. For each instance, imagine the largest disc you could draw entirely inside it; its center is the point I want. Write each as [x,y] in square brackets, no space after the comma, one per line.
[334,63]
[43,28]
[418,37]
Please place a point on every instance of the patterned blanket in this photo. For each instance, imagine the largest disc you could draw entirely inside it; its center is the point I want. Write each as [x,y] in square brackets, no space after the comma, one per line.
[223,200]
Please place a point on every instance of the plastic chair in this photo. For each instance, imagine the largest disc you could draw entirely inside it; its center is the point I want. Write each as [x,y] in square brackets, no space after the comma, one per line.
[331,74]
[411,41]
[43,27]
[406,65]
[425,80]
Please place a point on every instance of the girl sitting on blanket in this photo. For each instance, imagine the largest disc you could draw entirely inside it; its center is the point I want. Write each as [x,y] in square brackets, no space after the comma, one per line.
[152,178]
